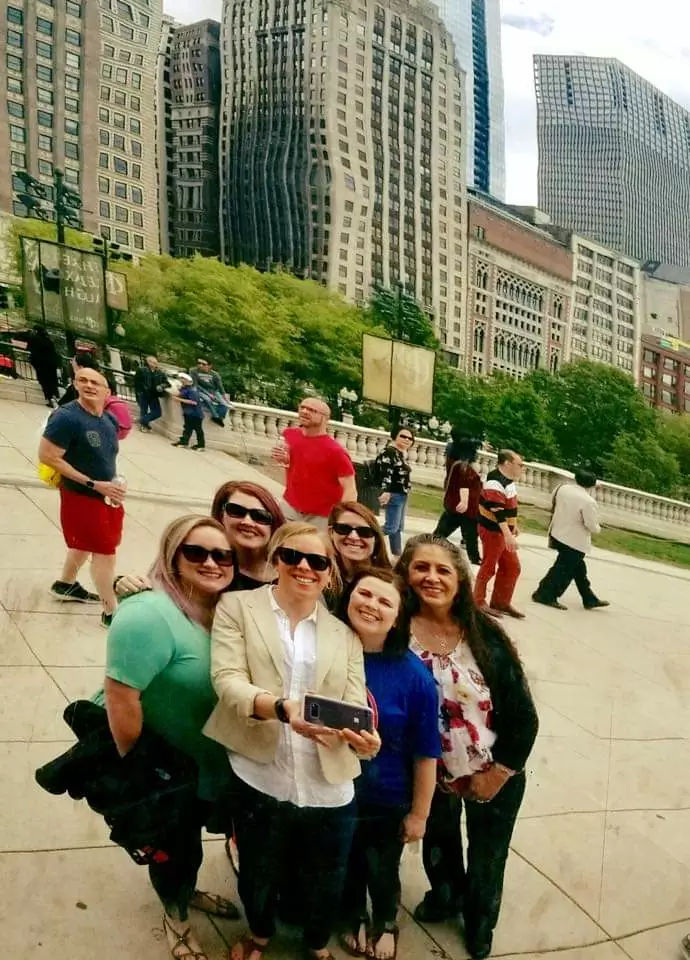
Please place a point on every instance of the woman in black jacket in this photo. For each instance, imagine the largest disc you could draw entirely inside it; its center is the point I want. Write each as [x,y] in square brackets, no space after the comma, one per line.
[488,726]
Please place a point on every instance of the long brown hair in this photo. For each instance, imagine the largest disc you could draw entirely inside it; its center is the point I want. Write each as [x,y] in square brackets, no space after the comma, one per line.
[379,557]
[476,625]
[398,638]
[265,498]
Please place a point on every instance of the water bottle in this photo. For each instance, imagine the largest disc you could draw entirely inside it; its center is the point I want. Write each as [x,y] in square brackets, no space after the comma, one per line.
[121,481]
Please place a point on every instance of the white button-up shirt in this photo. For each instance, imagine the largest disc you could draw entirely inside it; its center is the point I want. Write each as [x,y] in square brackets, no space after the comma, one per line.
[295,774]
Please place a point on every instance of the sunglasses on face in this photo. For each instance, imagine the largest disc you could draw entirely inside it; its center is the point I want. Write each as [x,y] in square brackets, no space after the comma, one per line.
[345,529]
[197,554]
[405,436]
[238,512]
[293,558]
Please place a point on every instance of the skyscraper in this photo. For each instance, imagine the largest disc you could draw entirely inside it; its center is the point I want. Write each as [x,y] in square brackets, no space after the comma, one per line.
[81,85]
[614,157]
[343,149]
[476,29]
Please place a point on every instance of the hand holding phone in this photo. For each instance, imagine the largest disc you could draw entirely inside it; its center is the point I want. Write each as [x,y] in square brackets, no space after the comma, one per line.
[337,714]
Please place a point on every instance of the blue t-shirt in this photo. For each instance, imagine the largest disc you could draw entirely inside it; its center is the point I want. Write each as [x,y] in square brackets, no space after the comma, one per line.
[408,709]
[189,412]
[89,441]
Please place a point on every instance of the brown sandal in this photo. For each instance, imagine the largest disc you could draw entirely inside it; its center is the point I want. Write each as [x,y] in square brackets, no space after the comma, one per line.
[214,905]
[182,941]
[249,946]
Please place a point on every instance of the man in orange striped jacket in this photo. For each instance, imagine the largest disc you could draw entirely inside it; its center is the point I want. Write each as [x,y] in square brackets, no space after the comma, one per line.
[498,510]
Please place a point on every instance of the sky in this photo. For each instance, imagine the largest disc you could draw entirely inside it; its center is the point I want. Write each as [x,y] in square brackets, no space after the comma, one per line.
[651,36]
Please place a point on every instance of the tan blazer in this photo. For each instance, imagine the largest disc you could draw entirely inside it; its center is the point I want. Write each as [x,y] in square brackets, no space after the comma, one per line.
[247,658]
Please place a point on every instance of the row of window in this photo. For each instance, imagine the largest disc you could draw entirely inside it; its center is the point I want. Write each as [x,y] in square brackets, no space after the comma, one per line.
[121,236]
[43,118]
[45,142]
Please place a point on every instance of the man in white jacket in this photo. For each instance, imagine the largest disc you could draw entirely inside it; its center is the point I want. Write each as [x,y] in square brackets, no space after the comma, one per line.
[575,518]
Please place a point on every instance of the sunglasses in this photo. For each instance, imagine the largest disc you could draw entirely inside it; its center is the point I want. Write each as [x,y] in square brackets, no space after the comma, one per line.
[197,554]
[238,512]
[345,529]
[405,436]
[293,558]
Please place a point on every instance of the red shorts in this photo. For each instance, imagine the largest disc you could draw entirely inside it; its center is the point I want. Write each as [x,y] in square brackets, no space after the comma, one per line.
[89,524]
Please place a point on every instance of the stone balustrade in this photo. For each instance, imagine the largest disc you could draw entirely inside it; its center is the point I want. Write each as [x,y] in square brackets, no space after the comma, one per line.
[254,431]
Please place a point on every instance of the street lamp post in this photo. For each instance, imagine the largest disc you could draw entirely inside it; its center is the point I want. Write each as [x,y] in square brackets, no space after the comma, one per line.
[347,398]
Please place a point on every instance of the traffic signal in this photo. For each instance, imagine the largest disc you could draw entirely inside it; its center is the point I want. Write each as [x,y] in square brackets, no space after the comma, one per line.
[31,193]
[68,203]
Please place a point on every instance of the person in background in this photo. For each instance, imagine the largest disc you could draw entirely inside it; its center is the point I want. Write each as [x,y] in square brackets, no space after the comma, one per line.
[82,360]
[488,724]
[461,496]
[150,384]
[158,675]
[80,442]
[395,789]
[192,413]
[575,518]
[118,408]
[212,395]
[45,360]
[318,470]
[498,509]
[290,780]
[395,473]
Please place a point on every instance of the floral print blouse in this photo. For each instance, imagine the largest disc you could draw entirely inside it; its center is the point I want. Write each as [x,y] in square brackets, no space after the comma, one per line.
[394,471]
[465,712]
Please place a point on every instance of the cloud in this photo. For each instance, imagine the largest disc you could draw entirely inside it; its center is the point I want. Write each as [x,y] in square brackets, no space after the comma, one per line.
[188,11]
[542,25]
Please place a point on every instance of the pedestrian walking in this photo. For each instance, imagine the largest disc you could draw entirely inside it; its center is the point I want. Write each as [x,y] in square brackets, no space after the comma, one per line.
[575,518]
[318,470]
[395,475]
[80,443]
[192,413]
[461,496]
[45,360]
[212,395]
[150,384]
[498,531]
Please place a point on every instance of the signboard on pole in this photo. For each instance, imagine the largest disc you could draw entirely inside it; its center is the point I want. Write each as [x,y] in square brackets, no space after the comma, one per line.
[64,286]
[398,374]
[116,290]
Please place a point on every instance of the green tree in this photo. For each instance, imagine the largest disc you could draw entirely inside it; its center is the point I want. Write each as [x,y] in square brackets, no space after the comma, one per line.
[518,420]
[401,316]
[641,463]
[673,432]
[41,230]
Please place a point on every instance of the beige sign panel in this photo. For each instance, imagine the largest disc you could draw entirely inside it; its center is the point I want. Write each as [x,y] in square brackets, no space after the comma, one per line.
[116,290]
[398,374]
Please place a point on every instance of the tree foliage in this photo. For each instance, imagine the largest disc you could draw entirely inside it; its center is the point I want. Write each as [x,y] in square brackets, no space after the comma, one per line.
[402,317]
[643,464]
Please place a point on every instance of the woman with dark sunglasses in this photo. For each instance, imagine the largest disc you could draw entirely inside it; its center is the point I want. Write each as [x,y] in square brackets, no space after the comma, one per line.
[358,541]
[158,675]
[291,781]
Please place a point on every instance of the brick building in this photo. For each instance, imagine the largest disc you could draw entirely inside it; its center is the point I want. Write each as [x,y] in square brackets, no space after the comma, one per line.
[665,373]
[519,291]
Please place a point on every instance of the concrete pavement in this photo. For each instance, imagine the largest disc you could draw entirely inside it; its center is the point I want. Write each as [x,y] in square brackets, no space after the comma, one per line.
[600,862]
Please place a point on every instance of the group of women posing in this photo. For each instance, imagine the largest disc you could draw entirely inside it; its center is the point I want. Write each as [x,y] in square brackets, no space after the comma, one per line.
[241,616]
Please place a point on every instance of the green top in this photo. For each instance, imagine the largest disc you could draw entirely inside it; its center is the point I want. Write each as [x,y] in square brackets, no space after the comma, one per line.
[155,648]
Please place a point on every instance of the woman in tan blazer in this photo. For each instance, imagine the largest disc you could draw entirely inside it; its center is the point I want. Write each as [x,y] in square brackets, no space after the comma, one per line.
[292,780]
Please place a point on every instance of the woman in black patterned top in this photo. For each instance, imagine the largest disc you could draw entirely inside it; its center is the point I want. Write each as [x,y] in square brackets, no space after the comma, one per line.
[394,471]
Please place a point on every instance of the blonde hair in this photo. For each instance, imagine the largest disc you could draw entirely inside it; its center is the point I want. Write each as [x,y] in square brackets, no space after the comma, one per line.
[165,573]
[297,528]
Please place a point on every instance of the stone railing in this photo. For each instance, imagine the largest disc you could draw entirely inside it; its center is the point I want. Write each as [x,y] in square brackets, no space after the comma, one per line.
[255,430]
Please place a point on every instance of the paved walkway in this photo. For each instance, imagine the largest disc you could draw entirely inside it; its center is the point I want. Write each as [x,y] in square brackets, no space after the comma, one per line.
[600,866]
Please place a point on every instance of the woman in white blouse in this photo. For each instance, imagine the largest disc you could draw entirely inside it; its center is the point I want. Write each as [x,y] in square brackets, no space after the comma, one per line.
[292,781]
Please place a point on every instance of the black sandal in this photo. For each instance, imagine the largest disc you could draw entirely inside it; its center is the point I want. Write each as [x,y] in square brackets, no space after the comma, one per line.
[391,928]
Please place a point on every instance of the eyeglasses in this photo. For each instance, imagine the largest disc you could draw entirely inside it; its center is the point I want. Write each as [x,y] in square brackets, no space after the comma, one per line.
[293,558]
[195,553]
[345,529]
[238,512]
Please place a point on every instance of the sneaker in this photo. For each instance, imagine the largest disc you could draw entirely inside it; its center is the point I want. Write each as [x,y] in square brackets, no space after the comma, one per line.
[73,592]
[106,619]
[144,428]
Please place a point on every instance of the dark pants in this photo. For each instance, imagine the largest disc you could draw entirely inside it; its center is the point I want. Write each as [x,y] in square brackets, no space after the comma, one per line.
[267,831]
[569,565]
[374,865]
[449,523]
[149,408]
[48,380]
[174,880]
[193,425]
[478,886]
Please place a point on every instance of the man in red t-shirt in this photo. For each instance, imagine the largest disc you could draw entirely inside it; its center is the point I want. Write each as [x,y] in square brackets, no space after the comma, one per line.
[318,470]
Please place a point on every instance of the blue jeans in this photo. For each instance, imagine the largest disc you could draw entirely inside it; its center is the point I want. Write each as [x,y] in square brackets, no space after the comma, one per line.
[395,521]
[213,405]
[149,409]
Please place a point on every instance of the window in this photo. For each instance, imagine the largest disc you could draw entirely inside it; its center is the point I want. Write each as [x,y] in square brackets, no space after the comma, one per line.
[71,150]
[15,109]
[137,196]
[71,176]
[121,215]
[136,81]
[71,105]
[73,61]
[19,160]
[104,114]
[45,142]
[44,96]
[126,32]
[45,168]
[120,190]
[136,148]
[137,218]
[14,15]
[108,52]
[138,242]
[135,103]
[136,171]
[104,230]
[73,8]
[119,120]
[72,83]
[121,236]
[44,50]
[120,98]
[44,26]
[105,93]
[17,134]
[134,125]
[73,37]
[108,24]
[104,209]
[103,160]
[103,185]
[14,63]
[107,71]
[119,165]
[121,75]
[118,141]
[104,137]
[72,127]
[44,118]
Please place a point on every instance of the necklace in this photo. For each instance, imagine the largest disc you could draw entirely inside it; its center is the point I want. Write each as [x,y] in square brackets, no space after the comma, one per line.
[446,640]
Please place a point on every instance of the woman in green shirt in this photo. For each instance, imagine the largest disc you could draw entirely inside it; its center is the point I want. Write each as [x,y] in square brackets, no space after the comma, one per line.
[158,674]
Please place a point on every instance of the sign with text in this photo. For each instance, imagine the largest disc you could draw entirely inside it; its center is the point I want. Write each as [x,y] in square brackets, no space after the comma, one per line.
[116,290]
[398,374]
[64,286]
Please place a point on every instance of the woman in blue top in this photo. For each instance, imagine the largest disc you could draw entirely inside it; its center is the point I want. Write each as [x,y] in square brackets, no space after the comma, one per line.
[395,789]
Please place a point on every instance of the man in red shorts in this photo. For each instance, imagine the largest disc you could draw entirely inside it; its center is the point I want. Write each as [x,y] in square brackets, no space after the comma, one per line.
[318,470]
[80,442]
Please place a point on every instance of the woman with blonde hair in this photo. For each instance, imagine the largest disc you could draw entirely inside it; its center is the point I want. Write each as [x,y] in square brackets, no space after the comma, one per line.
[291,781]
[158,675]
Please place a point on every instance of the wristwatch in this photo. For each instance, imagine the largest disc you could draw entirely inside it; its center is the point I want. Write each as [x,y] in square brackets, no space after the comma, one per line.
[281,712]
[91,484]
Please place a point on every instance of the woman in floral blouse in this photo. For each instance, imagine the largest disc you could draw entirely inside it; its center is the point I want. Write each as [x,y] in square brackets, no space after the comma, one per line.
[488,725]
[394,471]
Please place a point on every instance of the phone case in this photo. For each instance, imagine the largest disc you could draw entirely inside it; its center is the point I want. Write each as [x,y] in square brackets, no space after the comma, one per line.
[337,715]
